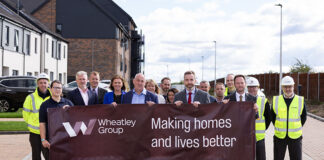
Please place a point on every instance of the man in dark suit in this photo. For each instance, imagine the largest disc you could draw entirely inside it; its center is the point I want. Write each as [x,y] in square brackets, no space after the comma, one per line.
[82,96]
[94,81]
[139,95]
[191,95]
[239,95]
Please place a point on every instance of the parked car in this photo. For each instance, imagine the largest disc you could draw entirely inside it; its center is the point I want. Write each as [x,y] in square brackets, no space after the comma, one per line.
[14,90]
[106,81]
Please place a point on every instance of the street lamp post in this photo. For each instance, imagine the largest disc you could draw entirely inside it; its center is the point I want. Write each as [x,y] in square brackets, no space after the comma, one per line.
[280,5]
[202,67]
[215,71]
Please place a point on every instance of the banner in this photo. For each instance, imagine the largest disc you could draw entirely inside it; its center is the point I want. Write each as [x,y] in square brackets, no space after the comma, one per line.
[162,131]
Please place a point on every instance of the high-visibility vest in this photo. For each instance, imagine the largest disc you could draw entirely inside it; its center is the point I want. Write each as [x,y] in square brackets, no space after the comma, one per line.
[31,111]
[225,93]
[260,125]
[294,126]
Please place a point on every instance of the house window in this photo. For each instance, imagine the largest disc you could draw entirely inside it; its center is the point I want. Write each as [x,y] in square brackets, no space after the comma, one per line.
[64,52]
[121,65]
[15,72]
[59,51]
[51,76]
[16,40]
[53,56]
[60,77]
[46,45]
[36,45]
[28,44]
[7,35]
[29,73]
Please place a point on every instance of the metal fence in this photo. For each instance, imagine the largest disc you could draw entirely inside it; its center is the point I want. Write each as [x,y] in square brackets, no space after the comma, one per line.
[306,84]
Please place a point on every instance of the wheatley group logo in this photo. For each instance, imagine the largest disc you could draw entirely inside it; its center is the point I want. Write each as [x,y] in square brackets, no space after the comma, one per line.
[79,126]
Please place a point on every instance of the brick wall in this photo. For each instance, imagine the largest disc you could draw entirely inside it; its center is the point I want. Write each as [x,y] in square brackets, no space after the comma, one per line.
[47,14]
[104,56]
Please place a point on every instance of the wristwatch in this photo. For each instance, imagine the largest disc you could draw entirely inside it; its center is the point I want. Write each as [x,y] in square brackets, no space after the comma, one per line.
[43,139]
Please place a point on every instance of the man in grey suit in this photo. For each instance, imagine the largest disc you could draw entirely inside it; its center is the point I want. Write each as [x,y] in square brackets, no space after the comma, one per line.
[205,86]
[191,95]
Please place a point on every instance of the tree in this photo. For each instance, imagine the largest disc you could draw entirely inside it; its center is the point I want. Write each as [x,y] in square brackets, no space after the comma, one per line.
[300,67]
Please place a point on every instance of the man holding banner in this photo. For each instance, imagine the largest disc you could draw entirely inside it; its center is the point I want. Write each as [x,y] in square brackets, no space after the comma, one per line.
[191,95]
[54,102]
[139,95]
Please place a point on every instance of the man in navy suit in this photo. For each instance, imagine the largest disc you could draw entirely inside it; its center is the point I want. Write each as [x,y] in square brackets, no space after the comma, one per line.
[239,95]
[139,95]
[81,96]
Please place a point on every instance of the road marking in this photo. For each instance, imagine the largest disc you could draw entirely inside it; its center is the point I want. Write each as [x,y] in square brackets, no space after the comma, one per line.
[27,157]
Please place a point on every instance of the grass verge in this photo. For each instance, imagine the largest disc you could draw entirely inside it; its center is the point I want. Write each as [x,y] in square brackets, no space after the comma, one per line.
[17,114]
[13,126]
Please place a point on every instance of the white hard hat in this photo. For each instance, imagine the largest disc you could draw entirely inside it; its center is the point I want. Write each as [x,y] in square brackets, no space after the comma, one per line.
[252,82]
[43,76]
[287,81]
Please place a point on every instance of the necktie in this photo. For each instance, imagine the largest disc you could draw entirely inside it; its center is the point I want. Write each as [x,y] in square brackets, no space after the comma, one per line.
[241,98]
[94,91]
[189,98]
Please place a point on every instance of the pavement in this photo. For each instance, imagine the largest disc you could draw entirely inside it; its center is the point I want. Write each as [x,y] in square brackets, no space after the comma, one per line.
[11,119]
[17,147]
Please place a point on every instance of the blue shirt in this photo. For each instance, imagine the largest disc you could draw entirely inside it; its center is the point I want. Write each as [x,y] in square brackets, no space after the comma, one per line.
[139,98]
[192,95]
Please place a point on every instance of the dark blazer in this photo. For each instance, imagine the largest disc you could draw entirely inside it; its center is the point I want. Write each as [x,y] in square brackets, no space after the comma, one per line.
[128,97]
[101,94]
[248,97]
[212,99]
[75,97]
[109,97]
[201,96]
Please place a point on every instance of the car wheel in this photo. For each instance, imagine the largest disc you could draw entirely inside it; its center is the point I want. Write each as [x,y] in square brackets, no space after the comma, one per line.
[4,105]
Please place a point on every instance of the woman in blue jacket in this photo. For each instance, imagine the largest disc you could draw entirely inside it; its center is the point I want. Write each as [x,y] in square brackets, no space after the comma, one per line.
[118,90]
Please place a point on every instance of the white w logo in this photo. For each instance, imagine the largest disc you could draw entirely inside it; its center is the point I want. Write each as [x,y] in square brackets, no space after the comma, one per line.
[79,126]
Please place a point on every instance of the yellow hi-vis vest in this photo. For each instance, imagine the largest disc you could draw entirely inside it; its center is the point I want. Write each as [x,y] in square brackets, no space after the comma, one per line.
[294,126]
[260,125]
[226,90]
[31,111]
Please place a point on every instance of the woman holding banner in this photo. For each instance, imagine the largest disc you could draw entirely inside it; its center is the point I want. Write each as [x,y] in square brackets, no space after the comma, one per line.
[118,90]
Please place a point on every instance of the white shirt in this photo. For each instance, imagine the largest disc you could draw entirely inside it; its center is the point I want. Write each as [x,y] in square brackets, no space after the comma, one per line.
[85,96]
[192,95]
[160,99]
[238,97]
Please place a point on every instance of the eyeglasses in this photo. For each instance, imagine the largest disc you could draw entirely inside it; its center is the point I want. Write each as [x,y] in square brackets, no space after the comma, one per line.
[57,88]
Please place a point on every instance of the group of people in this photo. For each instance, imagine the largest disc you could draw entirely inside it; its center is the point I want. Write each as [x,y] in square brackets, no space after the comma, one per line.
[287,113]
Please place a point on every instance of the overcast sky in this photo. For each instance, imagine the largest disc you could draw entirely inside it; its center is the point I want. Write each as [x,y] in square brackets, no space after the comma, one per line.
[179,32]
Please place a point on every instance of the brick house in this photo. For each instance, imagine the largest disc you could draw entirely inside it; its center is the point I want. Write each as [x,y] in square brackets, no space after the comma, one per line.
[101,35]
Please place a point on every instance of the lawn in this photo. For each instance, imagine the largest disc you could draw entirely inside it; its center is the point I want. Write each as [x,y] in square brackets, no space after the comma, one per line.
[17,114]
[13,126]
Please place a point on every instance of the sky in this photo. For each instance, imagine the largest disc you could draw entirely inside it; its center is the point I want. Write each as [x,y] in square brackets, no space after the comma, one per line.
[180,35]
